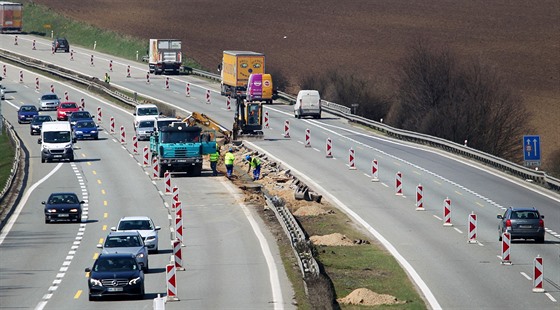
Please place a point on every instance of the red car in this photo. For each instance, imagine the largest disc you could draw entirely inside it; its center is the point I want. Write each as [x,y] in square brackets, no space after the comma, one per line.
[65,109]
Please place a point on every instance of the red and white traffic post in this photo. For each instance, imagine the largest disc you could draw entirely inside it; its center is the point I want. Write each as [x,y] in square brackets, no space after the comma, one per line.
[506,245]
[328,149]
[34,48]
[83,103]
[538,275]
[307,138]
[374,171]
[99,114]
[91,60]
[167,182]
[4,71]
[16,40]
[155,168]
[135,145]
[171,279]
[266,125]
[52,88]
[287,129]
[178,255]
[112,125]
[472,228]
[21,76]
[351,159]
[447,212]
[398,183]
[66,97]
[208,96]
[148,78]
[179,222]
[123,135]
[111,65]
[420,198]
[188,90]
[71,55]
[228,103]
[36,84]
[175,197]
[145,157]
[52,49]
[128,71]
[166,83]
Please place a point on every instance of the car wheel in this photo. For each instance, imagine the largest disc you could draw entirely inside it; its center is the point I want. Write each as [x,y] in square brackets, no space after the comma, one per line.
[540,239]
[147,267]
[92,298]
[42,159]
[47,221]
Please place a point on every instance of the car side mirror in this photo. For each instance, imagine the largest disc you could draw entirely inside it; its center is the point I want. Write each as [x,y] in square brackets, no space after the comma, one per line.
[158,228]
[43,202]
[74,140]
[87,270]
[113,228]
[500,216]
[542,216]
[100,246]
[81,202]
[134,113]
[39,141]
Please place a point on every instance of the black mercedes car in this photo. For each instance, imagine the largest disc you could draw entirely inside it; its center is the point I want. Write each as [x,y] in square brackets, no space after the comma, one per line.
[115,274]
[63,207]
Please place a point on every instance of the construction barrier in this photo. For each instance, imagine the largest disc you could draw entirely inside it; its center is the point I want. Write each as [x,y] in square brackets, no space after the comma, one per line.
[178,255]
[166,83]
[398,183]
[175,196]
[16,40]
[287,129]
[52,88]
[179,210]
[506,245]
[36,84]
[228,103]
[307,138]
[110,65]
[123,135]
[171,280]
[83,103]
[158,303]
[33,48]
[447,212]
[21,76]
[145,157]
[178,225]
[135,145]
[99,114]
[188,90]
[52,50]
[148,78]
[112,125]
[4,71]
[72,55]
[208,96]
[328,149]
[472,228]
[266,125]
[128,71]
[66,97]
[374,171]
[91,60]
[420,198]
[351,159]
[538,275]
[155,167]
[167,181]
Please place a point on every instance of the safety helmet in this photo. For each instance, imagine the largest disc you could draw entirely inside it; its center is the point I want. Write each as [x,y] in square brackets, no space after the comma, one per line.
[248,157]
[231,149]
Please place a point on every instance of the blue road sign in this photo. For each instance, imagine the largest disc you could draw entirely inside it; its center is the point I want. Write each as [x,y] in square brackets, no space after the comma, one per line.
[532,148]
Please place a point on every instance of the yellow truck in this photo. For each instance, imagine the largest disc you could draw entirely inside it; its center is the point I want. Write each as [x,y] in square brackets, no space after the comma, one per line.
[11,19]
[235,69]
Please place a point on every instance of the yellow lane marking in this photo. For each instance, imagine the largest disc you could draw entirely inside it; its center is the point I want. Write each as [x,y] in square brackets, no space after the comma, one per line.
[88,163]
[105,202]
[459,193]
[104,227]
[77,295]
[95,255]
[98,181]
[437,182]
[478,203]
[105,215]
[103,191]
[100,241]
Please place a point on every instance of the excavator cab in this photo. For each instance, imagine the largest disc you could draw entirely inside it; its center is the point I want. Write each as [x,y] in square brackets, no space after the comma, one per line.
[248,119]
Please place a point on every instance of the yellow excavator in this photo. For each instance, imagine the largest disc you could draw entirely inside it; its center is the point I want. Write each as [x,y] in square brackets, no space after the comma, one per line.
[248,119]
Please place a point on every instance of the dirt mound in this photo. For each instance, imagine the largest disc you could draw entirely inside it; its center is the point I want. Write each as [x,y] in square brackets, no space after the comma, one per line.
[365,297]
[335,239]
[310,210]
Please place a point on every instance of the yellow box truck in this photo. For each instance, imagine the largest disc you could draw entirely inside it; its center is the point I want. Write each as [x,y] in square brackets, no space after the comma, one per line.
[235,70]
[11,19]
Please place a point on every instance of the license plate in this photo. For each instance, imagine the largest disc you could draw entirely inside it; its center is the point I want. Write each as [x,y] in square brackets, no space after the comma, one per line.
[63,215]
[57,156]
[524,226]
[181,160]
[114,289]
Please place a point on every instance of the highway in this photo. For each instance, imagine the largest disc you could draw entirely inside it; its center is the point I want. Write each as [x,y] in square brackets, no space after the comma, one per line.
[42,265]
[450,272]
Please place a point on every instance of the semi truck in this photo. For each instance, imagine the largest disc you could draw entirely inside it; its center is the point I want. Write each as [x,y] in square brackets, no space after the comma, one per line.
[180,147]
[11,18]
[235,69]
[164,56]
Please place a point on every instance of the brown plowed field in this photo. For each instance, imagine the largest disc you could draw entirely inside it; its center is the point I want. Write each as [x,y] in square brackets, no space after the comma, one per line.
[364,37]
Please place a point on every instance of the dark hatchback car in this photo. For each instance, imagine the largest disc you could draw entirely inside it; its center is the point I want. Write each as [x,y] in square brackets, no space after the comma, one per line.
[61,44]
[79,115]
[37,123]
[85,129]
[63,207]
[26,113]
[522,223]
[115,274]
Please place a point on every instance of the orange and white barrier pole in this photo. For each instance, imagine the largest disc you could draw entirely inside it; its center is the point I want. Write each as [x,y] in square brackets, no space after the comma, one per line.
[91,60]
[398,183]
[111,65]
[472,228]
[52,88]
[148,78]
[21,76]
[71,55]
[83,103]
[374,171]
[175,197]
[178,226]
[420,198]
[66,97]
[34,48]
[4,71]
[16,40]
[447,212]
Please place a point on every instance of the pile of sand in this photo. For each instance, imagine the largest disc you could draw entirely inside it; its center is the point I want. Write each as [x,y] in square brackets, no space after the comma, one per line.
[310,210]
[363,296]
[335,239]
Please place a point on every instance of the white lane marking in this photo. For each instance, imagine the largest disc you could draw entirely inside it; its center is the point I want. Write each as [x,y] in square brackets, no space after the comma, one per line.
[439,218]
[550,297]
[406,265]
[458,230]
[525,275]
[277,298]
[23,202]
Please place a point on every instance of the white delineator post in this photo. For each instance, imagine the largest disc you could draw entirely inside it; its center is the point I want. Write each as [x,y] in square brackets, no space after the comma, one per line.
[52,88]
[506,245]
[21,76]
[208,96]
[374,171]
[167,181]
[145,156]
[99,114]
[287,129]
[398,183]
[328,148]
[266,125]
[37,84]
[123,135]
[128,71]
[351,159]
[166,83]
[66,96]
[178,255]
[171,280]
[112,125]
[135,145]
[420,198]
[447,212]
[538,275]
[188,90]
[307,138]
[175,197]
[110,65]
[228,103]
[155,168]
[472,228]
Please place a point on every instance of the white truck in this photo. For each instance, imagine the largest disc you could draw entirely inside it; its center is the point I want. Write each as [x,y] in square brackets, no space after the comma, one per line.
[165,56]
[57,142]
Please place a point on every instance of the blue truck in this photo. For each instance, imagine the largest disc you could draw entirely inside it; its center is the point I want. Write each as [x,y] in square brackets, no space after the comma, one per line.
[180,147]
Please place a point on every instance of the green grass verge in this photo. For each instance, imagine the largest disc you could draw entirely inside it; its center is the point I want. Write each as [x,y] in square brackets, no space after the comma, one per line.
[7,152]
[82,34]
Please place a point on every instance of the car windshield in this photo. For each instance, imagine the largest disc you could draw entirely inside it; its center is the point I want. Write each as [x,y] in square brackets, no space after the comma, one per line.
[529,214]
[62,199]
[147,111]
[136,225]
[115,264]
[42,118]
[85,125]
[179,136]
[56,136]
[83,114]
[68,106]
[28,108]
[122,242]
[49,97]
[146,124]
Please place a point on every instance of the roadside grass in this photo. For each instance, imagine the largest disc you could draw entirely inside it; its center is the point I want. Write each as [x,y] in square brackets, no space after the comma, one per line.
[6,157]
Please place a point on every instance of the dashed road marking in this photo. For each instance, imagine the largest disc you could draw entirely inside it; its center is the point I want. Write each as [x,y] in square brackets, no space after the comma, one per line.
[525,275]
[77,295]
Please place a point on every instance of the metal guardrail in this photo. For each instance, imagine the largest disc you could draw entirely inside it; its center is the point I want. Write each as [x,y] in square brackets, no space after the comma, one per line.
[15,165]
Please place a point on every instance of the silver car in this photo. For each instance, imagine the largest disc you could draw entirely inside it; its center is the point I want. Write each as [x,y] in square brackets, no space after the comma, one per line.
[145,226]
[145,129]
[126,242]
[522,223]
[49,101]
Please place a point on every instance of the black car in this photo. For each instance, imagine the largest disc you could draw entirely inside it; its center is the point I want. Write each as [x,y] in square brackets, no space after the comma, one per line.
[61,44]
[522,223]
[63,206]
[37,123]
[115,274]
[78,116]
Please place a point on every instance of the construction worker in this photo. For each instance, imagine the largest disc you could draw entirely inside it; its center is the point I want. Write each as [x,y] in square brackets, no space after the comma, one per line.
[107,78]
[229,158]
[254,163]
[214,161]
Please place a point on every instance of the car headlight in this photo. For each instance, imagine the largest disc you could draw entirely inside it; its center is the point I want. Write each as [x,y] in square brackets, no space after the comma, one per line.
[150,238]
[140,255]
[134,281]
[93,131]
[74,210]
[68,146]
[95,282]
[51,210]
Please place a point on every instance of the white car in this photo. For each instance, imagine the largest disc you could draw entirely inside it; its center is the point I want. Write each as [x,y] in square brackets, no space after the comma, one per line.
[145,226]
[144,112]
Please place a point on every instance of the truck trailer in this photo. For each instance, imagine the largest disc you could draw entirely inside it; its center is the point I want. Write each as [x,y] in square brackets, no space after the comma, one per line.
[11,18]
[235,69]
[165,56]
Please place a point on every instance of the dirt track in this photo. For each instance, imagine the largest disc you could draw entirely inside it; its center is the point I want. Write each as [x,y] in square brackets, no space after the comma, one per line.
[362,37]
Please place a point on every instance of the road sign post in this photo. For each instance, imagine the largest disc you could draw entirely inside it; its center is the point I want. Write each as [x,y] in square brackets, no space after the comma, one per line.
[532,150]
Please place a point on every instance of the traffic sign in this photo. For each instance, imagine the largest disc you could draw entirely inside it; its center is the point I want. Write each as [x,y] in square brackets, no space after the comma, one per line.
[532,148]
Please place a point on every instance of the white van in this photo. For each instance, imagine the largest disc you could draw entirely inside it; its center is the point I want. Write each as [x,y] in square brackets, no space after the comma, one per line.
[308,103]
[145,112]
[56,141]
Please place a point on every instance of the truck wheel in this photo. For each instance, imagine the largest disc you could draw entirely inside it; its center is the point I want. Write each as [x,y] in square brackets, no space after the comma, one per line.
[196,170]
